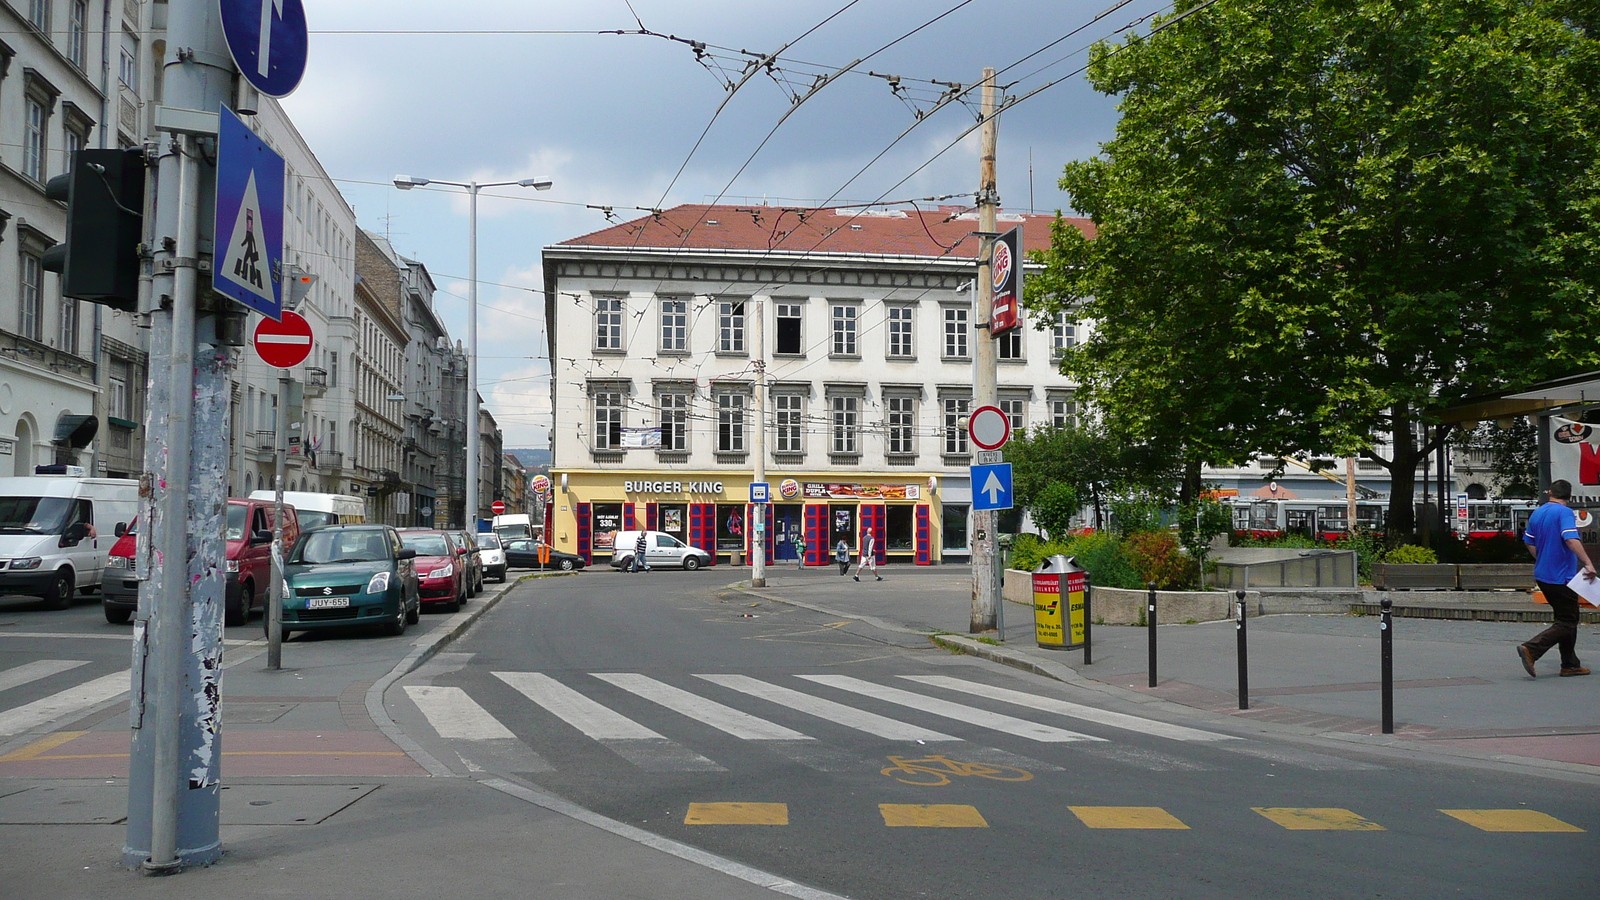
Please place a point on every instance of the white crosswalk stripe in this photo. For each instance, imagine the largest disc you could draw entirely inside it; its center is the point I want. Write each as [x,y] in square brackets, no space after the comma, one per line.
[74,699]
[618,733]
[1074,710]
[42,668]
[837,713]
[723,718]
[455,715]
[969,714]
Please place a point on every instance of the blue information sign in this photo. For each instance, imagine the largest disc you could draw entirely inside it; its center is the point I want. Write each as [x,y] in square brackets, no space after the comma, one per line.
[991,486]
[268,41]
[248,248]
[760,492]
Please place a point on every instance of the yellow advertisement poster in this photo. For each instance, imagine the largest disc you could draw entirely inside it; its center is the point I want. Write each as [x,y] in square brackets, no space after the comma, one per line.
[1076,583]
[1047,619]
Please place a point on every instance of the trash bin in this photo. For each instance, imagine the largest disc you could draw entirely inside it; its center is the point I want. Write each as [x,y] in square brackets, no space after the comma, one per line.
[1058,608]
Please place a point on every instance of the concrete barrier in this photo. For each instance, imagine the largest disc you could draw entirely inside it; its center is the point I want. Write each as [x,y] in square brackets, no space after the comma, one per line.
[1117,606]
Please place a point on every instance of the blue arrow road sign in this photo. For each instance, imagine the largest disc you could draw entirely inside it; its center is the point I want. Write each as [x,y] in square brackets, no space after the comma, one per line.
[268,41]
[991,486]
[248,250]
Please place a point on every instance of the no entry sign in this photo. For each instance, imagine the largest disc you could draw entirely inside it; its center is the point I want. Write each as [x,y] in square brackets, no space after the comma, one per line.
[283,344]
[989,427]
[498,506]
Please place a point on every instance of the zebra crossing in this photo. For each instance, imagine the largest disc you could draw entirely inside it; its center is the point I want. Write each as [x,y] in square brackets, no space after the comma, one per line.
[79,697]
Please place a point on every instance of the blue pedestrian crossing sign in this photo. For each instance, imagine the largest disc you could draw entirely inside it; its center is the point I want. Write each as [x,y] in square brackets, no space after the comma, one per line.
[248,248]
[991,486]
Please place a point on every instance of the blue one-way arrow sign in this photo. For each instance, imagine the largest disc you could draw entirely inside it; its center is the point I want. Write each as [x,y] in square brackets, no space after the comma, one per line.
[268,41]
[991,486]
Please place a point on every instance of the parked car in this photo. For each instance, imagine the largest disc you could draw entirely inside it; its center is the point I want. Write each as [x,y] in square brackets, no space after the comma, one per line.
[119,587]
[467,543]
[55,531]
[441,571]
[249,555]
[662,551]
[522,553]
[493,556]
[342,575]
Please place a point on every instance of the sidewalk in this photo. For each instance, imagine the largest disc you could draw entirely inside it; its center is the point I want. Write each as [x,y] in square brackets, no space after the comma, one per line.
[1459,688]
[323,796]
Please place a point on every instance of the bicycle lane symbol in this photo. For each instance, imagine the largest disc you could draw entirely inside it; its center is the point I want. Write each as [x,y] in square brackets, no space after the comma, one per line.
[934,771]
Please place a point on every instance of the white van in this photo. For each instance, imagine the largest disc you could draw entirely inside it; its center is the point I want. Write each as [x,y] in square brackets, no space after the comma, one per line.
[662,551]
[511,526]
[56,530]
[316,510]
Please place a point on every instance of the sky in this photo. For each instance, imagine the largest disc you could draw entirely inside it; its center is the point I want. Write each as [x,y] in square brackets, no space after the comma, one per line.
[401,87]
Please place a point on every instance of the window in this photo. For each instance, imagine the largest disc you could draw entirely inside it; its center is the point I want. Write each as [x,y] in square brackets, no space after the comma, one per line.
[128,67]
[789,335]
[956,330]
[35,117]
[790,427]
[39,14]
[844,329]
[1008,346]
[845,415]
[1063,335]
[903,425]
[75,142]
[955,430]
[1063,412]
[674,417]
[333,369]
[67,322]
[608,323]
[730,422]
[117,399]
[1016,410]
[32,296]
[730,326]
[77,28]
[608,420]
[954,520]
[674,326]
[900,331]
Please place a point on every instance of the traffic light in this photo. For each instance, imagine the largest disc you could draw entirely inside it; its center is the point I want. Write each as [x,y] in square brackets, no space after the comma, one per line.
[99,260]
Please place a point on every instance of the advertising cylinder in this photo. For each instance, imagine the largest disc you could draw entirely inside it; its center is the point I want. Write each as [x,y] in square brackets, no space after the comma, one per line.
[1058,608]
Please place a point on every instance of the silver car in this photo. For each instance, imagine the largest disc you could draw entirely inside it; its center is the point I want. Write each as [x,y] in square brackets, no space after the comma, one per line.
[662,551]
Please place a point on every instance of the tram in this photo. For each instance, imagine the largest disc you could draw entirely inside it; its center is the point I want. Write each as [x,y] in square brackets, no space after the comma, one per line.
[1324,519]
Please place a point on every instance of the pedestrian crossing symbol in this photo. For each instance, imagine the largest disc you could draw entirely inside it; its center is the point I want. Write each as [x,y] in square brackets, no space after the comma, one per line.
[249,223]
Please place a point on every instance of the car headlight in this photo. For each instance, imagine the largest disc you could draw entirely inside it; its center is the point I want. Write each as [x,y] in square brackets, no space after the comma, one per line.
[117,562]
[233,566]
[444,572]
[27,562]
[379,583]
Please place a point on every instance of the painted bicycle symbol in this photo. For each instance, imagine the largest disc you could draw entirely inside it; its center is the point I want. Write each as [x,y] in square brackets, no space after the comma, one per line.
[933,771]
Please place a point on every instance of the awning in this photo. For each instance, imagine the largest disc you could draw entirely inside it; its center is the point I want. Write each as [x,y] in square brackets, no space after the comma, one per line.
[1582,390]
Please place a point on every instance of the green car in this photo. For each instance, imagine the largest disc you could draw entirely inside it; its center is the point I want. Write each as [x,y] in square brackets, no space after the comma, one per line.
[343,575]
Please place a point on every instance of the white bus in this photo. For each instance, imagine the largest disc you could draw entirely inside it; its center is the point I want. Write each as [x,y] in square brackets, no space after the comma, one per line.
[316,510]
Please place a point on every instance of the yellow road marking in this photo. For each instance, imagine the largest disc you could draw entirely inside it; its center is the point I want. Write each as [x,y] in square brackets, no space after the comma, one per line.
[1127,817]
[1317,818]
[837,624]
[931,815]
[1509,820]
[50,742]
[737,814]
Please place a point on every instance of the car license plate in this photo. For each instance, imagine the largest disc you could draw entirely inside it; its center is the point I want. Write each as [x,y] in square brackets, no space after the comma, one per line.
[327,602]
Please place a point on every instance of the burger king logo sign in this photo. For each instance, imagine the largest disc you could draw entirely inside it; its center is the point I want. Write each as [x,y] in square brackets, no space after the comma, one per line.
[789,489]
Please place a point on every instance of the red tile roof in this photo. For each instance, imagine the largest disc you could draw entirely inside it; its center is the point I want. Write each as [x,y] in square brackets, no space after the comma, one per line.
[946,231]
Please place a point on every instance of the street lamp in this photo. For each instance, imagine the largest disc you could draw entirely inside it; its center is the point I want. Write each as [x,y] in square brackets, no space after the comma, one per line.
[406,183]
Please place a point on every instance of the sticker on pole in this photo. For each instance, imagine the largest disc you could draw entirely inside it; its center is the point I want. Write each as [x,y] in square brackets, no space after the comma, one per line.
[249,223]
[989,427]
[283,344]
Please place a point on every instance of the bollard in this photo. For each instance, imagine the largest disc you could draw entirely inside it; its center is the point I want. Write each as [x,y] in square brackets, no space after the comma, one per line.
[1151,616]
[1386,641]
[1244,666]
[1088,618]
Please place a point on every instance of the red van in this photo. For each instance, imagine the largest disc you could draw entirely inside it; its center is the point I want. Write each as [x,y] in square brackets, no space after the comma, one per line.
[249,563]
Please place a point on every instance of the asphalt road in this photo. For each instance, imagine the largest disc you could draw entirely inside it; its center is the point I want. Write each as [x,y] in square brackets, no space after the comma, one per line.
[591,687]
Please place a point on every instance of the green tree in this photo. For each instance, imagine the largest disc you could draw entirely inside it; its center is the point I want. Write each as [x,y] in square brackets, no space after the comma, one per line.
[1089,460]
[1319,219]
[1513,450]
[1054,508]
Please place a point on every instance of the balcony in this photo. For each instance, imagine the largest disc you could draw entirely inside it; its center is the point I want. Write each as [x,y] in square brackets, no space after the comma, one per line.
[330,460]
[316,382]
[264,440]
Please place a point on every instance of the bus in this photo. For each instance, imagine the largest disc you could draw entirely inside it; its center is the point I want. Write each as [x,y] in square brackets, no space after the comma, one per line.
[316,510]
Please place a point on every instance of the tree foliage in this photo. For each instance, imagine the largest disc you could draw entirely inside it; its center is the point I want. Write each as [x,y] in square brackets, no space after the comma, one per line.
[1084,457]
[1318,219]
[1513,453]
[1054,508]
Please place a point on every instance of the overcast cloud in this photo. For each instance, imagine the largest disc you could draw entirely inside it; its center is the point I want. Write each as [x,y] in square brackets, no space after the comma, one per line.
[611,118]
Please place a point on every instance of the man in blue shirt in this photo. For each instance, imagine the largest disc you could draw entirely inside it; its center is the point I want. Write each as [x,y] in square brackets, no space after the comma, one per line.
[1552,538]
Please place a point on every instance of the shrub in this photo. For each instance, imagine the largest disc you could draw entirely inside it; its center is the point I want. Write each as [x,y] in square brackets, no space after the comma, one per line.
[1136,514]
[1410,554]
[1054,508]
[1157,558]
[1368,548]
[1029,549]
[1106,559]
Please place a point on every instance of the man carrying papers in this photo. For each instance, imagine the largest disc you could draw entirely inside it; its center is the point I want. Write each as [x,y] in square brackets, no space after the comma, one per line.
[1552,539]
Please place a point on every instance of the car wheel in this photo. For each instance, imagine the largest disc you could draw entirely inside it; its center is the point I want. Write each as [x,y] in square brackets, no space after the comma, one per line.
[415,615]
[239,613]
[402,618]
[566,565]
[118,616]
[59,594]
[690,563]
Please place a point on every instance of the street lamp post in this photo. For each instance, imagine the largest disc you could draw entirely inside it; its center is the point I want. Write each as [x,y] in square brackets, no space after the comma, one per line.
[406,183]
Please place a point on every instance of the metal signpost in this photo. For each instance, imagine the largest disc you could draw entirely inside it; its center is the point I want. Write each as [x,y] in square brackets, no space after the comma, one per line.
[282,344]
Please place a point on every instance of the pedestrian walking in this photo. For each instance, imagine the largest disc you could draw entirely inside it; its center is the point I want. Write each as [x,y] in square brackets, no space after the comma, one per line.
[800,551]
[640,564]
[869,556]
[1552,538]
[841,555]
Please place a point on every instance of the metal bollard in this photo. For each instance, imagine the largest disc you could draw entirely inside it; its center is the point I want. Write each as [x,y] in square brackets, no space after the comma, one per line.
[1088,618]
[1151,616]
[1386,641]
[1244,665]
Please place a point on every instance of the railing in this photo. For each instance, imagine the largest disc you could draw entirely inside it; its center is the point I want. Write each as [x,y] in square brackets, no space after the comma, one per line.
[330,459]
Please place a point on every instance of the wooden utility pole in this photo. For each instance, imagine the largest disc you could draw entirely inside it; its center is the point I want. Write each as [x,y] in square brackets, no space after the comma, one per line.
[985,561]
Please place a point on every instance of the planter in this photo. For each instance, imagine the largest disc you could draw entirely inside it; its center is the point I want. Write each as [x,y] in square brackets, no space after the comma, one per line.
[1503,577]
[1428,577]
[1118,606]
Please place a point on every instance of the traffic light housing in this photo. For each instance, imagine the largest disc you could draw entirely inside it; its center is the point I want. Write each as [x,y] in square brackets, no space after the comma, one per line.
[99,260]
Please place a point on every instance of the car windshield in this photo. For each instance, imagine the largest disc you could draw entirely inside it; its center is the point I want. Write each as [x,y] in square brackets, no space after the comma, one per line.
[236,517]
[426,544]
[335,545]
[488,542]
[313,519]
[33,515]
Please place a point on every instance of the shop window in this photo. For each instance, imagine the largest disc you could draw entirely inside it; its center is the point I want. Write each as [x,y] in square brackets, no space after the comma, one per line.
[673,518]
[730,527]
[954,526]
[841,527]
[607,522]
[899,529]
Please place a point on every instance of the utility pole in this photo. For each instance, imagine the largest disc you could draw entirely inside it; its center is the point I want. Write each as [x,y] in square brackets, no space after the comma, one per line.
[985,541]
[275,588]
[173,780]
[758,520]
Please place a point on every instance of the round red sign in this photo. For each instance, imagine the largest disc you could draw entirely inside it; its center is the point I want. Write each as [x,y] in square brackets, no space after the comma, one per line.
[284,344]
[989,427]
[498,506]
